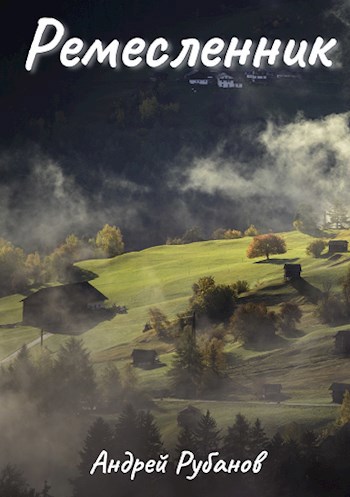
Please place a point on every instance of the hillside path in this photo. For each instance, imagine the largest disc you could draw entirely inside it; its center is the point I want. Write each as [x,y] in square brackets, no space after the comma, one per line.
[28,345]
[250,402]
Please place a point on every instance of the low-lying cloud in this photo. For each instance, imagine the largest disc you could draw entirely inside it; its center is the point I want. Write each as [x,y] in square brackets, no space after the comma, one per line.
[256,175]
[305,161]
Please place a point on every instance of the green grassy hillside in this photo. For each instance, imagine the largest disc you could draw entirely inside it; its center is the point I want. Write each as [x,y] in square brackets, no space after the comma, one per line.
[162,276]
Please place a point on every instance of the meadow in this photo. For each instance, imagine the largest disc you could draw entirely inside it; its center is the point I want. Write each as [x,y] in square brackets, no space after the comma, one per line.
[162,277]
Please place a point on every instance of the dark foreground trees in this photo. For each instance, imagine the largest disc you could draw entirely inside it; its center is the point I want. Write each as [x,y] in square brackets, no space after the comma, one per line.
[134,431]
[13,484]
[66,383]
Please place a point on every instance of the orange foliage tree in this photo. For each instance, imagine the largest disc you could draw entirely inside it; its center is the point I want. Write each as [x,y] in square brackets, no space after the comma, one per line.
[265,245]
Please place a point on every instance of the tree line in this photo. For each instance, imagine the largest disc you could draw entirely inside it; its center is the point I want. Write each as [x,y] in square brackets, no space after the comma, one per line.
[19,270]
[300,461]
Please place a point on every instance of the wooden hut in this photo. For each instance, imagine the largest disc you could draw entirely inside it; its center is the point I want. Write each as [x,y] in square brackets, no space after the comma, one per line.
[342,342]
[336,246]
[291,271]
[338,390]
[61,306]
[271,391]
[144,358]
[189,417]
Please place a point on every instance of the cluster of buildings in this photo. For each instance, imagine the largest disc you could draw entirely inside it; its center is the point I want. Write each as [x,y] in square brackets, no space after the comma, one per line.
[237,79]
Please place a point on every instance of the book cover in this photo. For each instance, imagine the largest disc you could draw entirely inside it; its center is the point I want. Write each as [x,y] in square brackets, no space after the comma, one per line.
[174,260]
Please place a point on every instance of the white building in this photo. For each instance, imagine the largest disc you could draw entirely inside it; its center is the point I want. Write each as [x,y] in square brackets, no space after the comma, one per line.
[256,76]
[288,75]
[225,80]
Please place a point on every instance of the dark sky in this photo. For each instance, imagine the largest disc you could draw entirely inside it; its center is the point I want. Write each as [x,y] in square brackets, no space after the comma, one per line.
[63,151]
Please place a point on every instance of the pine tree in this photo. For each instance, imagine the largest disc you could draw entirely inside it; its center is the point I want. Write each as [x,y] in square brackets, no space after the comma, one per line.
[237,442]
[125,434]
[308,441]
[275,446]
[258,438]
[188,366]
[23,371]
[111,387]
[186,440]
[13,484]
[45,491]
[73,376]
[99,437]
[214,357]
[43,380]
[149,438]
[207,436]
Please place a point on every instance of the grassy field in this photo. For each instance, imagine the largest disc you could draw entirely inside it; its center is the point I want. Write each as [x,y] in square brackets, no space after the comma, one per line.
[162,276]
[273,415]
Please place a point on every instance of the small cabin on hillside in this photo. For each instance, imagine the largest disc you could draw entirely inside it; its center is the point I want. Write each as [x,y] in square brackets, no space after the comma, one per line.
[342,342]
[292,271]
[336,246]
[61,306]
[338,390]
[144,358]
[189,417]
[271,391]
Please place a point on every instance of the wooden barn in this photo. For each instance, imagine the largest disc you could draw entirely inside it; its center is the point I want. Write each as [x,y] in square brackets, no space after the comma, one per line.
[336,246]
[61,306]
[271,391]
[189,417]
[144,358]
[342,342]
[338,390]
[292,271]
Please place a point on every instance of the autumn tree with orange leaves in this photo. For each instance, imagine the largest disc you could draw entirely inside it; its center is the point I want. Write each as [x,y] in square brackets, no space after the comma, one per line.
[265,245]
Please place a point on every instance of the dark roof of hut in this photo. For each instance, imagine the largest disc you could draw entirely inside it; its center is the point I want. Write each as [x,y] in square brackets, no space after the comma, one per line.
[343,332]
[141,354]
[190,410]
[292,267]
[339,386]
[337,242]
[272,388]
[69,292]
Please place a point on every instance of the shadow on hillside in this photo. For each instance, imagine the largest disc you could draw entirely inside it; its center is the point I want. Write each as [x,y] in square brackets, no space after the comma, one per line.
[233,360]
[296,333]
[304,288]
[338,259]
[10,325]
[74,324]
[274,399]
[77,275]
[265,298]
[147,367]
[278,342]
[277,261]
